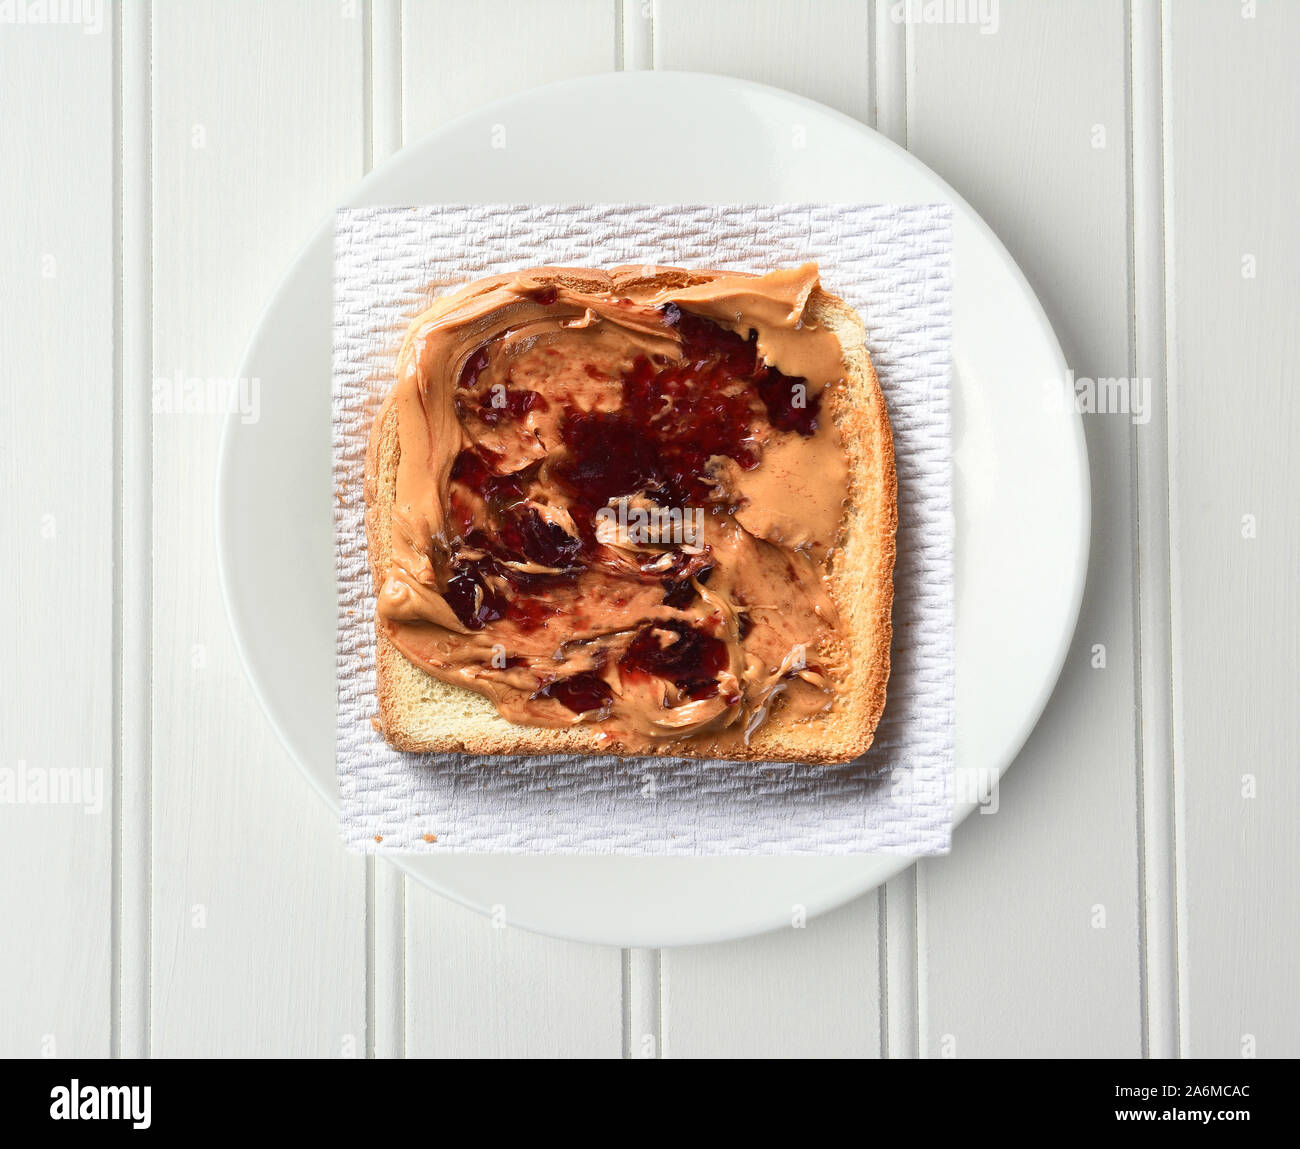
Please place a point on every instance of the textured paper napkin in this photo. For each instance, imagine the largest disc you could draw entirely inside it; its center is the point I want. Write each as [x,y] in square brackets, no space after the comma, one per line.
[890,262]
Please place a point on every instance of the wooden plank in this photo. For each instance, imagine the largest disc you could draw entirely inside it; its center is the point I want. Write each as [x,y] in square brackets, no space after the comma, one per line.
[477,988]
[57,519]
[810,991]
[817,48]
[458,56]
[471,989]
[259,940]
[1234,294]
[1031,931]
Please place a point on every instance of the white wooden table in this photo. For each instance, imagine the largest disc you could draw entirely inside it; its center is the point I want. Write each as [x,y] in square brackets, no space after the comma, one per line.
[1136,891]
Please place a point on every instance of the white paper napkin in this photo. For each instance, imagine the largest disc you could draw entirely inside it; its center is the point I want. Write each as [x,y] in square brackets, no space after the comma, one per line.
[893,264]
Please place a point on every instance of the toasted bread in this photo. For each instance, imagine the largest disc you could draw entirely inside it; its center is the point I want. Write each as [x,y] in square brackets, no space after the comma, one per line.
[418,712]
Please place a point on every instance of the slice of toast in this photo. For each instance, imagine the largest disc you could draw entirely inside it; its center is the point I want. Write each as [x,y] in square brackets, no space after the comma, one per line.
[418,712]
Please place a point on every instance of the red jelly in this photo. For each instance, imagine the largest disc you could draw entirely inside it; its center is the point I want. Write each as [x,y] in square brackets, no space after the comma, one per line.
[473,368]
[691,662]
[531,538]
[580,693]
[789,406]
[531,613]
[679,593]
[514,404]
[473,468]
[472,600]
[608,456]
[676,415]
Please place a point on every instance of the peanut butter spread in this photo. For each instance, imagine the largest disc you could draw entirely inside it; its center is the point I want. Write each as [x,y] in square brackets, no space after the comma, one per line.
[618,509]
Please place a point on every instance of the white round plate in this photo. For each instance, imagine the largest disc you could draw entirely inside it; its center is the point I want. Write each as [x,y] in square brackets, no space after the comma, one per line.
[1021,476]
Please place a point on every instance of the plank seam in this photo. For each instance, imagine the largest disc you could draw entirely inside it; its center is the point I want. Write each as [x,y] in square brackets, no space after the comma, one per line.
[115,895]
[1159,974]
[1175,606]
[626,963]
[386,889]
[873,48]
[403,892]
[922,965]
[368,87]
[133,887]
[661,994]
[909,50]
[643,1003]
[372,958]
[891,46]
[618,36]
[399,71]
[634,35]
[882,967]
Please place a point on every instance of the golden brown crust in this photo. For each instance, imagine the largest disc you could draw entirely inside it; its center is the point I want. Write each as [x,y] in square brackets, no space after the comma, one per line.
[418,712]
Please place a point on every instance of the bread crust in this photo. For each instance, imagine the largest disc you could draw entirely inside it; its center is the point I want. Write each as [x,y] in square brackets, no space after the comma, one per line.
[421,713]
